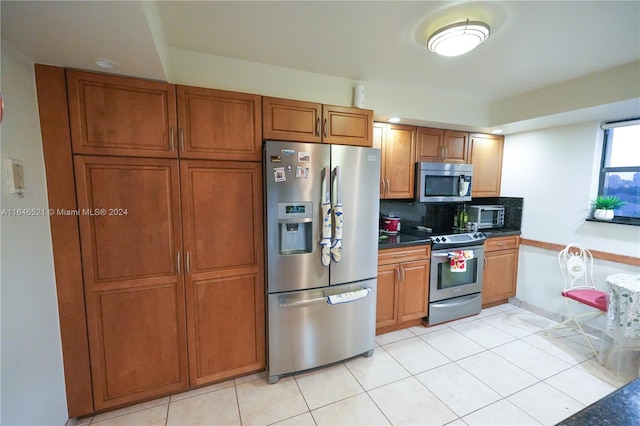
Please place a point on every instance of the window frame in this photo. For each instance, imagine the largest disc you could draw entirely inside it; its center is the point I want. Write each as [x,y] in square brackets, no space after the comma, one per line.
[608,128]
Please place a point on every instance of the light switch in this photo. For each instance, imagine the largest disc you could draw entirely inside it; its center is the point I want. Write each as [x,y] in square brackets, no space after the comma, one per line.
[15,176]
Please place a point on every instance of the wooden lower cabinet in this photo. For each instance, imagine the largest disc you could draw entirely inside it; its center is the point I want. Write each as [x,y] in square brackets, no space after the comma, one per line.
[134,292]
[500,270]
[403,288]
[173,273]
[222,231]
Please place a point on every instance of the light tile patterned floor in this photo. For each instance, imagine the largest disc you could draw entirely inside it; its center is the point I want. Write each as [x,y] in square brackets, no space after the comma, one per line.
[496,368]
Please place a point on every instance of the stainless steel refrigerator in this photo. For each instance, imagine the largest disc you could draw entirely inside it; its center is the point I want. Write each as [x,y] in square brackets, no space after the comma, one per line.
[322,207]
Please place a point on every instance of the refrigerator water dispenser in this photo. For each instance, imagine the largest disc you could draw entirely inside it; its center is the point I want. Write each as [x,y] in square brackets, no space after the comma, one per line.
[295,223]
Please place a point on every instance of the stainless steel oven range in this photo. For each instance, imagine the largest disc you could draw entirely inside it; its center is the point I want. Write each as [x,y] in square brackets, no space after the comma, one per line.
[455,285]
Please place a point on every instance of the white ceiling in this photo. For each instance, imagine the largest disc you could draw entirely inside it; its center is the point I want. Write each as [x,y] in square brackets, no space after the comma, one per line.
[532,44]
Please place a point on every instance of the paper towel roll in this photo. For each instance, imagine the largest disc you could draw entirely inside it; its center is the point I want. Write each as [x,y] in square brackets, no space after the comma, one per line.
[358,96]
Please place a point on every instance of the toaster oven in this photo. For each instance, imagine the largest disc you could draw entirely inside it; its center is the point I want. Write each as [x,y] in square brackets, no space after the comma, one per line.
[487,216]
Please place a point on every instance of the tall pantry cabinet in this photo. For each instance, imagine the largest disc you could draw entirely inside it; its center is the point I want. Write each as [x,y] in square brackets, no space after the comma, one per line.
[168,186]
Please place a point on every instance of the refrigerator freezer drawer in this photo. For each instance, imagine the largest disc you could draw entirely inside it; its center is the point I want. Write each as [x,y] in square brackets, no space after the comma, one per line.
[312,328]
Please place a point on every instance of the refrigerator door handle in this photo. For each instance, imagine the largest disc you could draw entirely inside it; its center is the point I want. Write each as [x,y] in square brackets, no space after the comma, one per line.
[336,246]
[334,299]
[338,186]
[282,303]
[326,242]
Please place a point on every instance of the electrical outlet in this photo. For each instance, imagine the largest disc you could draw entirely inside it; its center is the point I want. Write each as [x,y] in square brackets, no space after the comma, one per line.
[15,176]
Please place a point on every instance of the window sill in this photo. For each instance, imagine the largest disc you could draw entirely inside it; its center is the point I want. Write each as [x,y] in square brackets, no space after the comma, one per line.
[618,220]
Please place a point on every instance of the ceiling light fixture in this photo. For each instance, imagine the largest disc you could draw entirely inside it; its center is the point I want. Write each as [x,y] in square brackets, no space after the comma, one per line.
[459,38]
[394,120]
[105,63]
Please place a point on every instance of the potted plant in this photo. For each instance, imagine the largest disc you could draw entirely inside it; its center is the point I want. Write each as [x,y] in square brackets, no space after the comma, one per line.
[605,205]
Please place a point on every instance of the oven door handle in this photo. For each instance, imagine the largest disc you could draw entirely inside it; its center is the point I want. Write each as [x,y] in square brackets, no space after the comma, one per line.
[447,254]
[449,304]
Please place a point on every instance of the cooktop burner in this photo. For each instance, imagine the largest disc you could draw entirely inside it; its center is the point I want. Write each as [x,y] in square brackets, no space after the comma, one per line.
[448,238]
[458,240]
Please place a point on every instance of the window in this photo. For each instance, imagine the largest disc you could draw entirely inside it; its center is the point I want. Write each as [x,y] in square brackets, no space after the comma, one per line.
[620,171]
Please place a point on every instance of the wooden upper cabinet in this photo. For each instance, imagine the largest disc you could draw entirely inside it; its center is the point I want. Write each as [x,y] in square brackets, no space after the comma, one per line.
[485,153]
[347,126]
[456,145]
[224,270]
[379,135]
[429,146]
[441,146]
[134,291]
[300,121]
[219,125]
[289,120]
[112,115]
[398,161]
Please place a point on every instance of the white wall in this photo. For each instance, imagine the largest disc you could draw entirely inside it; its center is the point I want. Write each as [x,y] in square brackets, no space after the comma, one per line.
[33,390]
[203,70]
[555,170]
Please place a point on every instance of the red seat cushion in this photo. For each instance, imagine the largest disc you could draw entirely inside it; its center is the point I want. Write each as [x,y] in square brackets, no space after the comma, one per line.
[594,298]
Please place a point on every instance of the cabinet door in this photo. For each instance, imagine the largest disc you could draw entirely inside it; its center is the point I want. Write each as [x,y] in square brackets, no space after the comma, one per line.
[219,125]
[399,161]
[347,126]
[455,147]
[224,272]
[429,145]
[413,293]
[499,276]
[486,157]
[112,115]
[134,292]
[379,135]
[289,120]
[387,298]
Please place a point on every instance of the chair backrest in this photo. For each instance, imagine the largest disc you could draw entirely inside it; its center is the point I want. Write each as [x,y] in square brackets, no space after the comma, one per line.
[576,265]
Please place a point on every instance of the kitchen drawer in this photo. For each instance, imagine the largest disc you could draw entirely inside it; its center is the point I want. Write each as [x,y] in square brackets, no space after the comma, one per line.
[502,243]
[404,254]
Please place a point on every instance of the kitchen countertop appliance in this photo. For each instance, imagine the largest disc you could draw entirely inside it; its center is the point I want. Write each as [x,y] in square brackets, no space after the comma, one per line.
[490,216]
[321,227]
[390,224]
[455,282]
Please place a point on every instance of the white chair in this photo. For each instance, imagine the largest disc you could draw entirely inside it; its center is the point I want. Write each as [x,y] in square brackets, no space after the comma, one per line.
[576,265]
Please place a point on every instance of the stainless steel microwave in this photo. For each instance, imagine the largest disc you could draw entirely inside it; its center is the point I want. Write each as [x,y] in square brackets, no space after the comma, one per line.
[443,182]
[487,216]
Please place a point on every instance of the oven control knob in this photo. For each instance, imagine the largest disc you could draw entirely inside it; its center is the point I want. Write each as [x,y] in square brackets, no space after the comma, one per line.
[444,239]
[475,235]
[437,239]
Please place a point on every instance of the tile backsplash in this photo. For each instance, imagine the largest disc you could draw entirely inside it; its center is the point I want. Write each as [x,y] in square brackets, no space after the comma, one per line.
[440,215]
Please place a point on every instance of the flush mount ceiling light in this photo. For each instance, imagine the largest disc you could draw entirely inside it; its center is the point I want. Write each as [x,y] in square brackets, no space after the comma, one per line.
[459,38]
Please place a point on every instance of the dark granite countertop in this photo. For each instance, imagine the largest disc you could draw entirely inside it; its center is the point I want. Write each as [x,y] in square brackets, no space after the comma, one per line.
[502,232]
[400,240]
[621,407]
[403,239]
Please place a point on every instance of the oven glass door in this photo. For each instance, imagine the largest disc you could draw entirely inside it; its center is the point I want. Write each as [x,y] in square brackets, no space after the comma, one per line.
[446,283]
[489,217]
